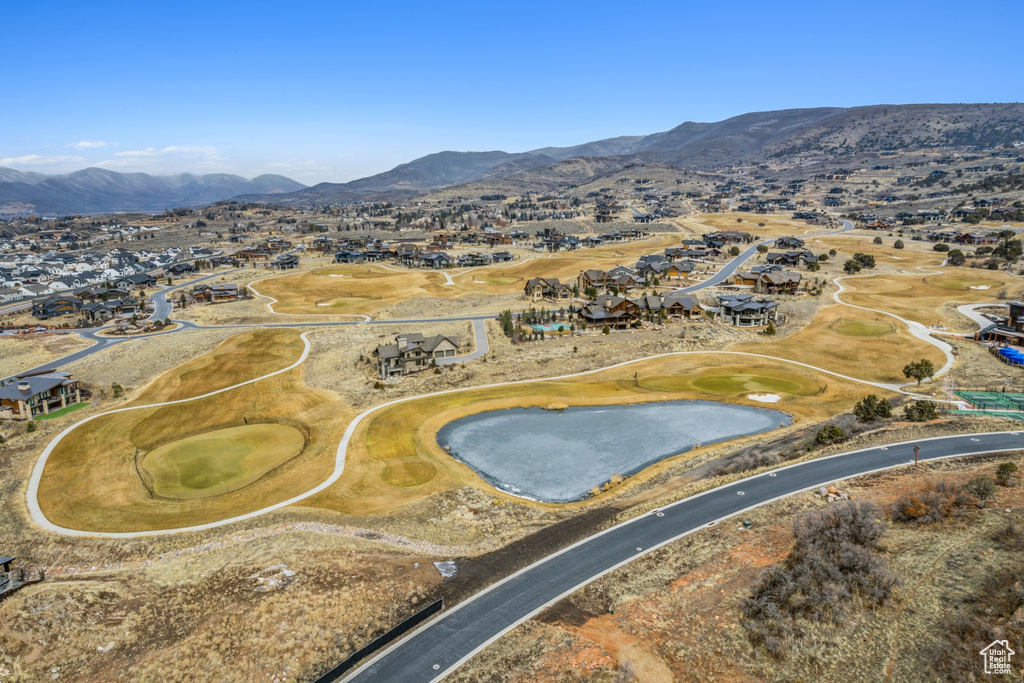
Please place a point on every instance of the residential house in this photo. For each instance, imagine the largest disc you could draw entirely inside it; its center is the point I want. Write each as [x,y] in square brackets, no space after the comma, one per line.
[789,243]
[56,306]
[215,293]
[412,352]
[746,310]
[37,393]
[791,258]
[284,262]
[549,289]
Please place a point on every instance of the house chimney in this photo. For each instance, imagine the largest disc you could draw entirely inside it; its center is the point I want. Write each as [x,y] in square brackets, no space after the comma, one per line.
[24,386]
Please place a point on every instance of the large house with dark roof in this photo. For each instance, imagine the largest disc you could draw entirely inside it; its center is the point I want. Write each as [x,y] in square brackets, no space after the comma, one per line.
[746,310]
[26,396]
[412,352]
[547,288]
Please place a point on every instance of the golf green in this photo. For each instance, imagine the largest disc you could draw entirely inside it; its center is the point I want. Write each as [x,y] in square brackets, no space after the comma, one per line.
[863,328]
[220,461]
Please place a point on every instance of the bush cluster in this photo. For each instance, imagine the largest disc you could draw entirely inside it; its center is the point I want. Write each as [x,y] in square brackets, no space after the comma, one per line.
[871,408]
[834,559]
[921,411]
[935,502]
[748,461]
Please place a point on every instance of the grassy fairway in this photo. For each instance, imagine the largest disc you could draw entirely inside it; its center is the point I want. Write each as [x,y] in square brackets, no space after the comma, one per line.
[852,342]
[238,359]
[932,299]
[394,458]
[90,480]
[221,461]
[369,288]
[863,328]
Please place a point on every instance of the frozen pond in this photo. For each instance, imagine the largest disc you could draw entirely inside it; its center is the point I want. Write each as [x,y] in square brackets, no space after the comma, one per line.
[558,456]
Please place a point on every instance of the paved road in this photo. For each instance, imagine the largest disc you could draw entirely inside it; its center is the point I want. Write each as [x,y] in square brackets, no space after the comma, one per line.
[732,266]
[443,644]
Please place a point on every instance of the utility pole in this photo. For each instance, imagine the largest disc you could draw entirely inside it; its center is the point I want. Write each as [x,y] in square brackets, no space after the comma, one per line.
[917,452]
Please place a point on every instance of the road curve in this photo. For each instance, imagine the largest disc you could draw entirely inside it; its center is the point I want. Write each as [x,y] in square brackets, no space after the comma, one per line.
[445,643]
[732,266]
[339,462]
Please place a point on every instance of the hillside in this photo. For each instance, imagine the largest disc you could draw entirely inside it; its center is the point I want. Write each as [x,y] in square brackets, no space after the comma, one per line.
[797,135]
[97,190]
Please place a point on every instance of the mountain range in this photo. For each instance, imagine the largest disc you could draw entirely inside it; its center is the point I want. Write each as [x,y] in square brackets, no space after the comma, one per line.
[798,137]
[98,190]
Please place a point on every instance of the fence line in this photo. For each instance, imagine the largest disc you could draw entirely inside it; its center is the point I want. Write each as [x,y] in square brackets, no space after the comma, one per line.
[380,641]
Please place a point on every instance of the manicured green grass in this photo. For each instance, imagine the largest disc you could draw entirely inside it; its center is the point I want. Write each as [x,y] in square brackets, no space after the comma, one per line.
[63,411]
[733,381]
[220,461]
[863,328]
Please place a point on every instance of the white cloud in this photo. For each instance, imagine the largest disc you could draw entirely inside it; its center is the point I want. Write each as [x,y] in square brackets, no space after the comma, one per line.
[88,144]
[174,158]
[37,162]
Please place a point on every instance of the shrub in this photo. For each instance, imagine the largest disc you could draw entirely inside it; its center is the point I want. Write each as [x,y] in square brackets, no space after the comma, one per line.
[770,330]
[871,408]
[866,260]
[117,389]
[834,559]
[606,330]
[956,257]
[824,257]
[933,503]
[30,426]
[762,249]
[921,411]
[830,434]
[981,488]
[832,252]
[1009,537]
[941,246]
[1005,473]
[378,385]
[748,461]
[734,250]
[877,240]
[852,266]
[898,244]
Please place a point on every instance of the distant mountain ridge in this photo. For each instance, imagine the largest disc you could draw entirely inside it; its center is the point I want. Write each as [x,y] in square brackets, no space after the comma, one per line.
[98,190]
[811,134]
[805,136]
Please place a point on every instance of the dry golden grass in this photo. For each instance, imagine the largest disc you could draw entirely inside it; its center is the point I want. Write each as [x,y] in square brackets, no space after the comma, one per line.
[774,226]
[21,353]
[913,255]
[368,288]
[90,481]
[851,342]
[931,299]
[682,603]
[394,458]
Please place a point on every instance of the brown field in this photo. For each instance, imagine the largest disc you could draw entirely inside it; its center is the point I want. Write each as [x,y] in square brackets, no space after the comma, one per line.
[369,288]
[394,458]
[774,225]
[674,615]
[913,255]
[24,352]
[91,482]
[932,299]
[861,344]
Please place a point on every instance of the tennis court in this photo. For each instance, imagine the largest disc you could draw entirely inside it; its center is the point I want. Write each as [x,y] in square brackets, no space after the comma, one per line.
[993,400]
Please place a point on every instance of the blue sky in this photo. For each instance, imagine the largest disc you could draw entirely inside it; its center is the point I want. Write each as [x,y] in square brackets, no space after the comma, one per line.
[338,90]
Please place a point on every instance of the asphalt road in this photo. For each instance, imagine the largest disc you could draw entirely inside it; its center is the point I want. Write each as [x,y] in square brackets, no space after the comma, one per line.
[732,266]
[443,644]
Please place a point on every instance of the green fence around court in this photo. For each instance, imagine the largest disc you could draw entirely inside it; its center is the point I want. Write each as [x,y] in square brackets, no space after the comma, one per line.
[993,400]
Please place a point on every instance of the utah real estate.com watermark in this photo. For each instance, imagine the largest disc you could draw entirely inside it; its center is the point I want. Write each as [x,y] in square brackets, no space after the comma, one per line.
[997,657]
